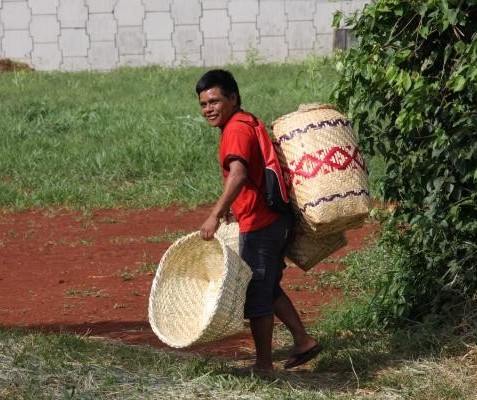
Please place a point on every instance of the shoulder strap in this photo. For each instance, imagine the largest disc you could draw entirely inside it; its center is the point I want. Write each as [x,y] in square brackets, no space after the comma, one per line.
[274,182]
[272,165]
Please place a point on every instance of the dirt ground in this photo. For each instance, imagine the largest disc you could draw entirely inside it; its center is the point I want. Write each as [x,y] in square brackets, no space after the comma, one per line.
[91,273]
[7,65]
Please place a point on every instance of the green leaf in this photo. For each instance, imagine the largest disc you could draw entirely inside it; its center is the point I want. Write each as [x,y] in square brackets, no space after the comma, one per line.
[391,72]
[458,83]
[337,18]
[402,55]
[424,31]
[406,81]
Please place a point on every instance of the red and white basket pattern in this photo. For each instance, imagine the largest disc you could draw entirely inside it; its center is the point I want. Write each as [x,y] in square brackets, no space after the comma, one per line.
[324,169]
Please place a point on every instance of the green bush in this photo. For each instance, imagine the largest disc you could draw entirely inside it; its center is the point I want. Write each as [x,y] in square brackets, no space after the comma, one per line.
[410,87]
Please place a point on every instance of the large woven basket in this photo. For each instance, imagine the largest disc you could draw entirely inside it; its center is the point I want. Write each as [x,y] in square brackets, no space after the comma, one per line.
[308,247]
[324,168]
[198,293]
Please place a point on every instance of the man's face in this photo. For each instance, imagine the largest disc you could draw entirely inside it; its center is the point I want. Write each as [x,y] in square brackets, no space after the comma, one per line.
[217,108]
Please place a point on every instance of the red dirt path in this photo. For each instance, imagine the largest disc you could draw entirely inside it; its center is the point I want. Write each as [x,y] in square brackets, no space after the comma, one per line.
[90,274]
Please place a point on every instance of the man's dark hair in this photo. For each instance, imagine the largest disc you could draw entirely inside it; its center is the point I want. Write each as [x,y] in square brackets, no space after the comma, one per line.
[221,79]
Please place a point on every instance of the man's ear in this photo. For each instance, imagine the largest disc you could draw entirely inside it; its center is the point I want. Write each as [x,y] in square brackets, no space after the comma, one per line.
[234,98]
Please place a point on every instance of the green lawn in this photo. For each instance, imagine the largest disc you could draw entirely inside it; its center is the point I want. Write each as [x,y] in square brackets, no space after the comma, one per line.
[129,138]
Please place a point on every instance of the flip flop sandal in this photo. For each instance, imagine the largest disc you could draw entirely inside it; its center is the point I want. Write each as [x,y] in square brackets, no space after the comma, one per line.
[302,358]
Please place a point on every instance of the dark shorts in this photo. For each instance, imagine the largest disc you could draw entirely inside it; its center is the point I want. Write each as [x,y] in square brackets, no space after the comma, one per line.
[263,250]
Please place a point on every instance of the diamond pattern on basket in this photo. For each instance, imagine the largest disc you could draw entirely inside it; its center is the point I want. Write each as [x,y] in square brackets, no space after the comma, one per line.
[323,161]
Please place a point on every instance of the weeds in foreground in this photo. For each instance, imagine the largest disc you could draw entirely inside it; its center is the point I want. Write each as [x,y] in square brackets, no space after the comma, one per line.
[89,292]
[435,359]
[354,366]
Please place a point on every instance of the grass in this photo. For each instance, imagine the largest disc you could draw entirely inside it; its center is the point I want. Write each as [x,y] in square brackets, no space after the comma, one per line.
[435,359]
[60,366]
[144,267]
[129,138]
[93,292]
[165,237]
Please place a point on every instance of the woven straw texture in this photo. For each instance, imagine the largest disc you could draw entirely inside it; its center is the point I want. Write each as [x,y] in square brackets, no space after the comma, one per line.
[316,106]
[198,293]
[309,248]
[229,233]
[324,169]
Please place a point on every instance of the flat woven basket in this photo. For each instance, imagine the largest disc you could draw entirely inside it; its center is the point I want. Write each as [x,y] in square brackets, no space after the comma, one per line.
[324,168]
[308,247]
[198,292]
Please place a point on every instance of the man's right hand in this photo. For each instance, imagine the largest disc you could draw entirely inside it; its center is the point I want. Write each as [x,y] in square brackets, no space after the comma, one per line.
[209,227]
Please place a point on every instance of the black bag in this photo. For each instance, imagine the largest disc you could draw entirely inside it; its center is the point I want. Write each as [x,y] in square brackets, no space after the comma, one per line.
[276,193]
[277,200]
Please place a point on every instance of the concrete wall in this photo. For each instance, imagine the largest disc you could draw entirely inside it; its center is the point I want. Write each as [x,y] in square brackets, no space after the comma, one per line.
[105,34]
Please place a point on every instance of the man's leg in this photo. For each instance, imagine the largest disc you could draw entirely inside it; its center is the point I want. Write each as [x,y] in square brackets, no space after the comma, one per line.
[262,250]
[259,250]
[286,312]
[262,331]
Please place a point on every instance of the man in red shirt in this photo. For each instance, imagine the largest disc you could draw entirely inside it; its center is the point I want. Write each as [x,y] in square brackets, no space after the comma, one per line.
[263,233]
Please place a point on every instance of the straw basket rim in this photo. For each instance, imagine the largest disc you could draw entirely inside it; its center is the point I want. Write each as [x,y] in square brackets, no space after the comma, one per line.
[303,108]
[157,278]
[197,334]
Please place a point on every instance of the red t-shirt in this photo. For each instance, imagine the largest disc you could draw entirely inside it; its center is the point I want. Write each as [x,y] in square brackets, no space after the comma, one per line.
[239,140]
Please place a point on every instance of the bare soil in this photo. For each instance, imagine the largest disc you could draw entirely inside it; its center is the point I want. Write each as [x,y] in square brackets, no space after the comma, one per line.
[7,65]
[91,273]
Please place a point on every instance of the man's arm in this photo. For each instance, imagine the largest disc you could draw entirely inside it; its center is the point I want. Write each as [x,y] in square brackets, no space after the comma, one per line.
[232,187]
